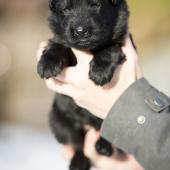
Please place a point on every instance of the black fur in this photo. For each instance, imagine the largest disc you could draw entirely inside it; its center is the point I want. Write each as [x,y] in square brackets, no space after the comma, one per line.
[103,24]
[68,123]
[96,25]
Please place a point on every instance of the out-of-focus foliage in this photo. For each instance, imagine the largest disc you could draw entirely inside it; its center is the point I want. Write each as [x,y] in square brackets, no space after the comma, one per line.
[150,20]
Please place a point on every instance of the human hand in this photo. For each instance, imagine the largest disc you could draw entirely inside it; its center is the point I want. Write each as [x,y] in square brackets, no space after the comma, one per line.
[74,81]
[117,161]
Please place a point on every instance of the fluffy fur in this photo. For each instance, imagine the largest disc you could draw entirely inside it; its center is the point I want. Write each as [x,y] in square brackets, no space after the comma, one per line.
[96,25]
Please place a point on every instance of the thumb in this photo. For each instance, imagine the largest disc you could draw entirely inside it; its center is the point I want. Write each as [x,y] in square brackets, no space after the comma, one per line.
[42,47]
[82,56]
[132,56]
[68,74]
[138,71]
[89,145]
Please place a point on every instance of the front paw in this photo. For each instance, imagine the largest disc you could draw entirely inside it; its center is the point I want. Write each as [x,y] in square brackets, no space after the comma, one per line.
[102,73]
[49,65]
[103,147]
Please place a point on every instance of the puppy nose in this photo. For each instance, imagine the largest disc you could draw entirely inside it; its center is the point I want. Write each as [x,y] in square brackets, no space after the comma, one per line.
[81,31]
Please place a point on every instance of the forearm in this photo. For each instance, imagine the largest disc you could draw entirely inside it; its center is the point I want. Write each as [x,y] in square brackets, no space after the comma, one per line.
[139,123]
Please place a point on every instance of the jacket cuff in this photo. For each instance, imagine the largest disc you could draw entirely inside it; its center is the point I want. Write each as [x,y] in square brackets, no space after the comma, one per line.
[132,114]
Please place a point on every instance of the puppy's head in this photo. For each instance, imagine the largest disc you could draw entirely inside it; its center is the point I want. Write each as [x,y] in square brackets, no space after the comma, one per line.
[88,24]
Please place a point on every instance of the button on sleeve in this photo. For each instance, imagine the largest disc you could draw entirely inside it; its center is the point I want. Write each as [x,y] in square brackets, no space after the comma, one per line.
[157,102]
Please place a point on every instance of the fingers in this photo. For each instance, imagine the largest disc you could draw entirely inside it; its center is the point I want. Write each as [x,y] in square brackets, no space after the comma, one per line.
[138,71]
[42,46]
[68,151]
[132,56]
[59,87]
[82,56]
[68,75]
[89,145]
[128,49]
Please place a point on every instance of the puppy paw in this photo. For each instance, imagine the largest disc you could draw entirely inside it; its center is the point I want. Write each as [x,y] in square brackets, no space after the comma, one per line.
[103,147]
[102,73]
[80,162]
[49,65]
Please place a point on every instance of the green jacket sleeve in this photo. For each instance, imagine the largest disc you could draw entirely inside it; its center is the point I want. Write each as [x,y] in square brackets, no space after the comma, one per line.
[139,123]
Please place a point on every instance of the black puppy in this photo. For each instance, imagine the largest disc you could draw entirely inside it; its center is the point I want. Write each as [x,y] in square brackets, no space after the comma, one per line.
[96,25]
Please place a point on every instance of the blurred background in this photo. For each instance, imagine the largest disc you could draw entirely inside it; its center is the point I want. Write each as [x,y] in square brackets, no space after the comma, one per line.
[25,139]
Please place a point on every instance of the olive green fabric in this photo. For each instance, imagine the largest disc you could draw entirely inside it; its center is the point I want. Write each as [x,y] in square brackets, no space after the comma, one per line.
[139,123]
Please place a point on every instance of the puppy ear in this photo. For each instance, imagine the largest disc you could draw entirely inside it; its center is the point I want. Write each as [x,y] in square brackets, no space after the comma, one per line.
[51,5]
